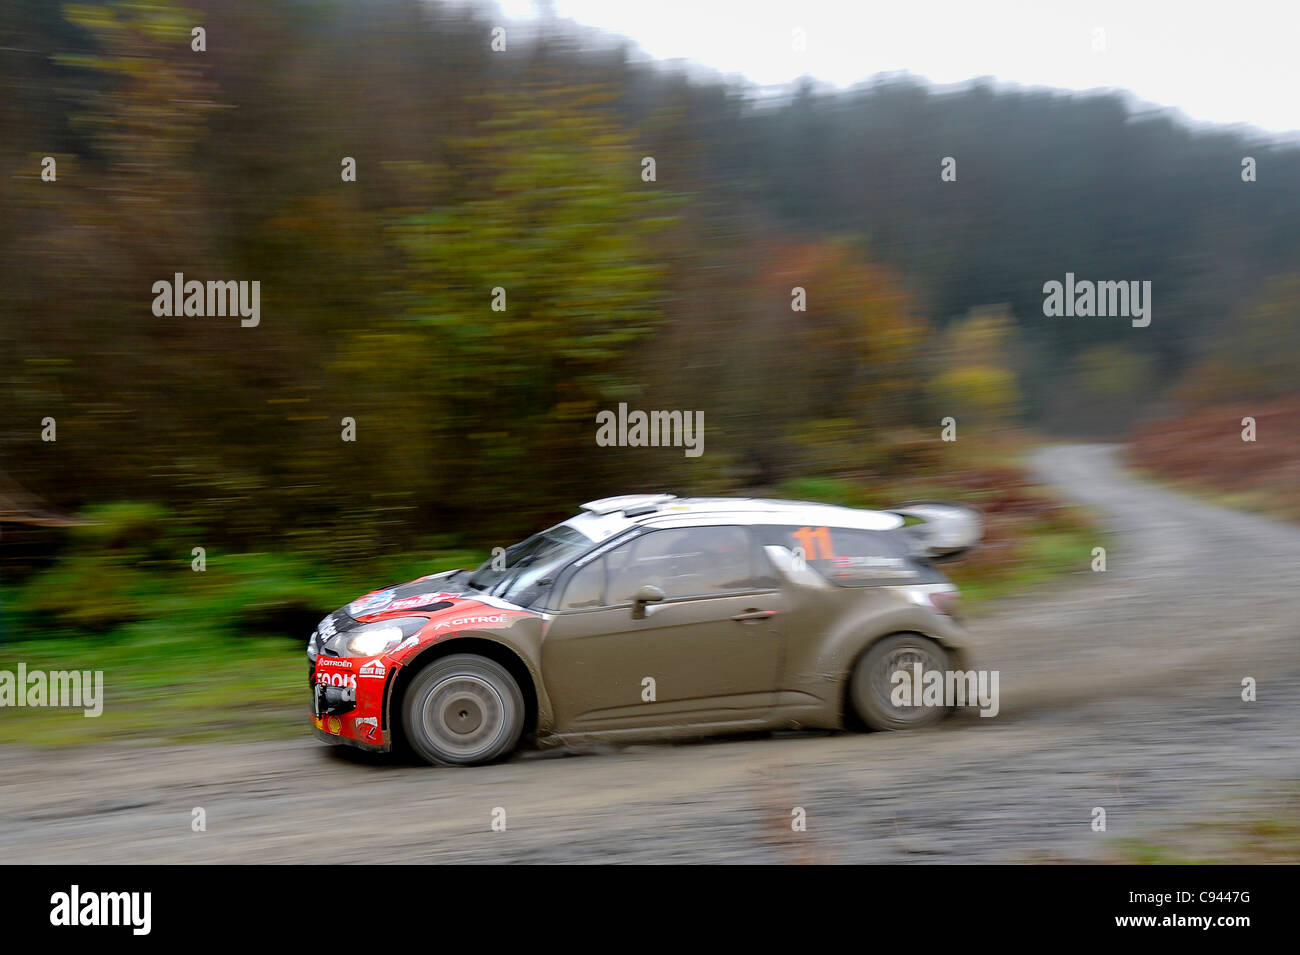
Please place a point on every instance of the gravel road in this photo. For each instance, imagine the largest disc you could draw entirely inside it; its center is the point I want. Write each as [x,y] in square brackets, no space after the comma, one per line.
[1119,690]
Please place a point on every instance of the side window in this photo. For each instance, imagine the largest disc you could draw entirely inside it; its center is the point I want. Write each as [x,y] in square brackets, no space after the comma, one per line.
[851,557]
[683,562]
[586,588]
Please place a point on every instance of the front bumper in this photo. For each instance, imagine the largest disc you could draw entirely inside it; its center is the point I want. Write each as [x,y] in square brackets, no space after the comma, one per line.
[325,736]
[349,701]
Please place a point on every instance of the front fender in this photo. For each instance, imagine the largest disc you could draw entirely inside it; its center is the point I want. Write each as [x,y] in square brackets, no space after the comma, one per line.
[519,634]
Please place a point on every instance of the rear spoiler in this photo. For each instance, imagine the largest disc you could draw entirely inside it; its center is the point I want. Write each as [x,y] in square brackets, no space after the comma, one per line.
[942,531]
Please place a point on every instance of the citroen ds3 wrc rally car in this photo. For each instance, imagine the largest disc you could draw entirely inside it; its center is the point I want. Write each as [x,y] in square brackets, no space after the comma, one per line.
[649,616]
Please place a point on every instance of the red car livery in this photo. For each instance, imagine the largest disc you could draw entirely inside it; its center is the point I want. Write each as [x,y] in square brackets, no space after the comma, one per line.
[358,653]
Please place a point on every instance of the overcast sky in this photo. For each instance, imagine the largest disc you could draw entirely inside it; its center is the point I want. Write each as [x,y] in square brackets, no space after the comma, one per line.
[1220,62]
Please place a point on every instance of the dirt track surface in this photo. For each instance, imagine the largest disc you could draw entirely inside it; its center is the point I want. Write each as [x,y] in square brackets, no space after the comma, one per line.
[1119,689]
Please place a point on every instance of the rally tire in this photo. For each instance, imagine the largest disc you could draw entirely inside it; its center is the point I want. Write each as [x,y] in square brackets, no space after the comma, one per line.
[462,710]
[870,685]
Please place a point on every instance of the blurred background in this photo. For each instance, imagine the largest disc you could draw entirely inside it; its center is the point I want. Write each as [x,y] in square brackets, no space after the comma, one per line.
[523,169]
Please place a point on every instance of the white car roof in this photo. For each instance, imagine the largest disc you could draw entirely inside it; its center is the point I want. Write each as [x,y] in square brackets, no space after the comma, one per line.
[602,519]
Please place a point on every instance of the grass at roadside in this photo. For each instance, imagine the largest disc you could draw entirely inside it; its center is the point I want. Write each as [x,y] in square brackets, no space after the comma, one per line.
[185,657]
[166,686]
[1256,836]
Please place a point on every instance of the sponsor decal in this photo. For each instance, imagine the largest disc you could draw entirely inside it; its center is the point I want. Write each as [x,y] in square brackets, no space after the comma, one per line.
[371,603]
[405,644]
[871,567]
[814,543]
[335,725]
[419,600]
[497,602]
[373,669]
[336,679]
[371,725]
[331,662]
[482,620]
[327,628]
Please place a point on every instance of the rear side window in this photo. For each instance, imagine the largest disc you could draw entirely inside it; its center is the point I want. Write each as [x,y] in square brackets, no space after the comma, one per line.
[683,562]
[850,557]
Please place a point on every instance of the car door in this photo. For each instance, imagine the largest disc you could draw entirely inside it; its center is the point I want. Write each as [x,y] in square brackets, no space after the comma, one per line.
[708,653]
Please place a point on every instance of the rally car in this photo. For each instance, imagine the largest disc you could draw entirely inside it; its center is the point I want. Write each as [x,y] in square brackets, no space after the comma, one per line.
[650,616]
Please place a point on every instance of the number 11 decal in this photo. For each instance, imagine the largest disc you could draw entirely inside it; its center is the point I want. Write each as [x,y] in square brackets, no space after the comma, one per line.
[821,537]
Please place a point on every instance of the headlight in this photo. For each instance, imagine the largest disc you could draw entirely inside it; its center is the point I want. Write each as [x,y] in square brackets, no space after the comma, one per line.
[373,639]
[369,643]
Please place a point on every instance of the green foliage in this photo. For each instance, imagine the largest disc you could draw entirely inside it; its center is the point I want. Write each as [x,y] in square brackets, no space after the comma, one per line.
[1255,354]
[823,490]
[980,394]
[165,682]
[1109,381]
[977,380]
[131,562]
[512,381]
[1113,373]
[108,574]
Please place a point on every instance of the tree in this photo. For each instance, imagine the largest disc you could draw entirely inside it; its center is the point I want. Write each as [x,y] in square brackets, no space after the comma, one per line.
[516,302]
[976,382]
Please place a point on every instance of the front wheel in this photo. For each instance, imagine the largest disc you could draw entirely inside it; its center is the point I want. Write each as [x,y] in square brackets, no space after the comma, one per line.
[462,710]
[876,692]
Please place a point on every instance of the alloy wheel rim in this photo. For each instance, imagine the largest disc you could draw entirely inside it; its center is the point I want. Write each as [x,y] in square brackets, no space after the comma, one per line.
[463,715]
[882,685]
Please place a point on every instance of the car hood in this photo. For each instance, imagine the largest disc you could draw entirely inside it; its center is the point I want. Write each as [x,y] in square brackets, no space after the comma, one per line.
[430,596]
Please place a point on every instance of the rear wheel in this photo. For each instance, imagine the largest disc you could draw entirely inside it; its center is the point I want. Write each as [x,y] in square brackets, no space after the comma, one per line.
[462,710]
[872,684]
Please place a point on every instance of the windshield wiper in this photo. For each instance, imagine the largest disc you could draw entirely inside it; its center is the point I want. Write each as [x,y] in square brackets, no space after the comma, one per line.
[504,586]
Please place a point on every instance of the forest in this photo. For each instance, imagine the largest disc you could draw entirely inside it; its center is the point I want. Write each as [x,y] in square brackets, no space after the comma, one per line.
[464,255]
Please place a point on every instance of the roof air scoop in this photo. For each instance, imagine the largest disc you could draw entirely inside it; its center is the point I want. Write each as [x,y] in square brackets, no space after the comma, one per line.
[611,505]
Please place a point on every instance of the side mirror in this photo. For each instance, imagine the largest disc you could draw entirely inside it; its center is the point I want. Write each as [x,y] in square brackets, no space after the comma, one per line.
[648,594]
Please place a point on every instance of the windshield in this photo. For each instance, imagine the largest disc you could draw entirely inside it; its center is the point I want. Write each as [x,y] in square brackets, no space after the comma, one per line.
[527,564]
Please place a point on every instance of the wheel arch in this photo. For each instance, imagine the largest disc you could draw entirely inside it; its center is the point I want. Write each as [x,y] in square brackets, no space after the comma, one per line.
[849,718]
[479,646]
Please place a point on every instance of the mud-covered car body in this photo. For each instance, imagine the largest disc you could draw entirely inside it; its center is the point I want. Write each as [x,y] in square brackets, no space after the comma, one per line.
[648,616]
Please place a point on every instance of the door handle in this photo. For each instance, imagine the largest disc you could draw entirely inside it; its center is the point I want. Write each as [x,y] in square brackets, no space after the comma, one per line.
[752,615]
